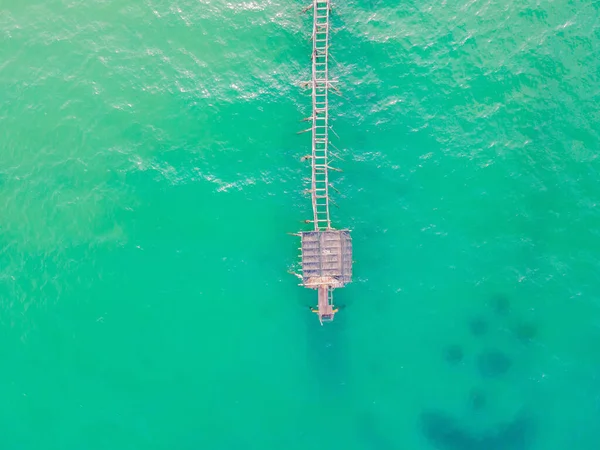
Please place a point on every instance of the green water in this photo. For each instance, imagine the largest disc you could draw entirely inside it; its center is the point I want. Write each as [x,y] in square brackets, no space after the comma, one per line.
[150,170]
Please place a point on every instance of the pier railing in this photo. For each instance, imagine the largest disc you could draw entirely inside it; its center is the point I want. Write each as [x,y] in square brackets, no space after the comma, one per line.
[320,84]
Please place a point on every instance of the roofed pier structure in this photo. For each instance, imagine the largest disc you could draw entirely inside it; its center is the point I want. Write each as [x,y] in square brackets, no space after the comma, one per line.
[326,253]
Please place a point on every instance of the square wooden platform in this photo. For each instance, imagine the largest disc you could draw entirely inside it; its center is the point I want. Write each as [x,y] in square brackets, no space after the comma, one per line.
[326,258]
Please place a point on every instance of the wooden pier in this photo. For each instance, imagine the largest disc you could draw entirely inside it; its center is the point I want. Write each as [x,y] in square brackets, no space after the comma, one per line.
[326,253]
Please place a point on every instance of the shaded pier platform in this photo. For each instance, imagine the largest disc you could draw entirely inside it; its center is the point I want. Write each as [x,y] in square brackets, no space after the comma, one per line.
[326,265]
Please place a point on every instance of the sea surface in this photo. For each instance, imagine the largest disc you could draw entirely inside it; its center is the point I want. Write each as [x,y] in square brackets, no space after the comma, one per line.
[150,172]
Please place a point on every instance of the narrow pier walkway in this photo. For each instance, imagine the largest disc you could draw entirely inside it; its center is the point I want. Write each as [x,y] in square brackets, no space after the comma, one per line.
[320,115]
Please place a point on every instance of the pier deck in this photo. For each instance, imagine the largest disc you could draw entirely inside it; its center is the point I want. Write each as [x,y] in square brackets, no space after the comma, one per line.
[326,253]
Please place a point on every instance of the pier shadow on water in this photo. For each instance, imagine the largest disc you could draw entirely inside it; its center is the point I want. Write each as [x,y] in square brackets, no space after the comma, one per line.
[328,355]
[370,434]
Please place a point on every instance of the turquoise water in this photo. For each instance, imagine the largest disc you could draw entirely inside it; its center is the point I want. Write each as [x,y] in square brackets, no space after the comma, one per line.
[150,170]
